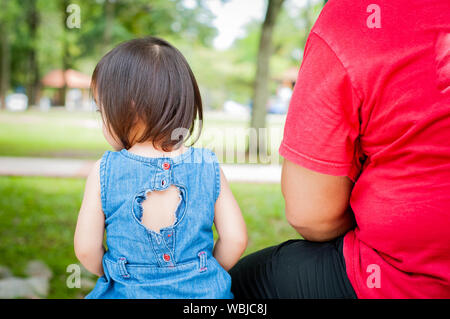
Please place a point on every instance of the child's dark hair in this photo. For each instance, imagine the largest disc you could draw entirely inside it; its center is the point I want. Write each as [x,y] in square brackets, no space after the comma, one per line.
[150,80]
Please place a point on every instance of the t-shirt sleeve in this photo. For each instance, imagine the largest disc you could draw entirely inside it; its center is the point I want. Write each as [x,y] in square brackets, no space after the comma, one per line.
[322,125]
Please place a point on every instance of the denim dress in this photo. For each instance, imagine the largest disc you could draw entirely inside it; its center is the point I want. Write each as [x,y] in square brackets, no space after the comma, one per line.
[177,261]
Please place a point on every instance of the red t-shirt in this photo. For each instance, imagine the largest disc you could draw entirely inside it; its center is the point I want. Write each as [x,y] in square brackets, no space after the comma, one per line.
[372,102]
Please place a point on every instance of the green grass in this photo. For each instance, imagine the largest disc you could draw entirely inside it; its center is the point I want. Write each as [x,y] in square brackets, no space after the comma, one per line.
[38,217]
[52,134]
[37,220]
[59,133]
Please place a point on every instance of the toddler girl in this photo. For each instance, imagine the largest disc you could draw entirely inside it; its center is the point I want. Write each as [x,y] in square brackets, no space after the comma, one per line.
[156,198]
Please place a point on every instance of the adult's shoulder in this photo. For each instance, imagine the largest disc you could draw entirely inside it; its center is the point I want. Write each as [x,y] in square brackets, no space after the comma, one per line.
[341,18]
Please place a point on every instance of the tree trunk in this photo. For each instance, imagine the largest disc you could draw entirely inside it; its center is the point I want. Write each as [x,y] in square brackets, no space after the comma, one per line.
[260,92]
[33,66]
[109,23]
[5,54]
[65,54]
[308,23]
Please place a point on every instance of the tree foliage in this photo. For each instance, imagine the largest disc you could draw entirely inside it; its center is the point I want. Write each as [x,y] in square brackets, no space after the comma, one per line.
[39,39]
[34,49]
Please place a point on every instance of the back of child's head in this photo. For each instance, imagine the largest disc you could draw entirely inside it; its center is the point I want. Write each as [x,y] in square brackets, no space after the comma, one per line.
[147,83]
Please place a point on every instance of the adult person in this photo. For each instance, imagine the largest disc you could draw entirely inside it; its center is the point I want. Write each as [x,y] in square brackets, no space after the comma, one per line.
[366,176]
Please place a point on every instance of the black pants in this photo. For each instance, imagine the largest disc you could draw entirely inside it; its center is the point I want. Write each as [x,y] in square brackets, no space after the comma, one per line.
[293,269]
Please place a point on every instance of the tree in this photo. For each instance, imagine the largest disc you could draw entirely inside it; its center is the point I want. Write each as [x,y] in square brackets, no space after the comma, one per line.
[308,22]
[65,61]
[260,92]
[5,54]
[33,66]
[36,36]
[109,22]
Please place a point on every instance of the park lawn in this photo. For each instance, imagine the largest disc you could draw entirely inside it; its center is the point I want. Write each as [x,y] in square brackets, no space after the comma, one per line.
[38,217]
[51,134]
[63,134]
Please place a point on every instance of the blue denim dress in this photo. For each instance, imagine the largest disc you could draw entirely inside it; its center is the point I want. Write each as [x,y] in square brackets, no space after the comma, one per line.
[177,261]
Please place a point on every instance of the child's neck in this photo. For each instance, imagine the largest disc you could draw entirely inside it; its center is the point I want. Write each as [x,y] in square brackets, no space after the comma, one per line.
[147,149]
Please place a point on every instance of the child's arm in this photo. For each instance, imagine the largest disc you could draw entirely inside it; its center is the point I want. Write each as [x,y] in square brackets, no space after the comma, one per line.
[230,227]
[88,241]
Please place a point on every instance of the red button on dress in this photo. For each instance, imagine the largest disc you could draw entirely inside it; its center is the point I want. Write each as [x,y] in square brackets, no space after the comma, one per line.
[166,166]
[166,257]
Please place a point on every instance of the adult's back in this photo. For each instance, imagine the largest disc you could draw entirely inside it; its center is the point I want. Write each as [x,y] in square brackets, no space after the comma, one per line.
[372,102]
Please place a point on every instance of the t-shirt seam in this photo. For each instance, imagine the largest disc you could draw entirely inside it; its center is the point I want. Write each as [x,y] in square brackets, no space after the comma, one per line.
[340,61]
[335,165]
